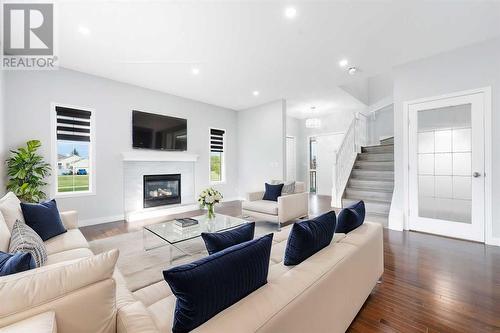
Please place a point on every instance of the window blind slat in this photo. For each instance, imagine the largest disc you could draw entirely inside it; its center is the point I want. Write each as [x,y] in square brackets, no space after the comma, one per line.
[73,129]
[69,137]
[73,124]
[75,113]
[217,140]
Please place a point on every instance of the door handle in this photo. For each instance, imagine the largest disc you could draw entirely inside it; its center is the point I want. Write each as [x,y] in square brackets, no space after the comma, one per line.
[476,174]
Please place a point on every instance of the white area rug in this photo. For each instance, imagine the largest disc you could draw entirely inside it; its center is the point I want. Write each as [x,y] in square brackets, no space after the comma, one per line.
[142,268]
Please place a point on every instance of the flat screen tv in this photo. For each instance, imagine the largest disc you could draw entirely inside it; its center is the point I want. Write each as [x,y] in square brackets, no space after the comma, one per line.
[154,131]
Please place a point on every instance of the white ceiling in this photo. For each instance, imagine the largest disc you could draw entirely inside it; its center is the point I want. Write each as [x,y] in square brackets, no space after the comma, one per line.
[240,47]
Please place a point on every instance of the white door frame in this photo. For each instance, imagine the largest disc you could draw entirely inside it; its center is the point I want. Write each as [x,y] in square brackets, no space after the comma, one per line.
[295,155]
[488,220]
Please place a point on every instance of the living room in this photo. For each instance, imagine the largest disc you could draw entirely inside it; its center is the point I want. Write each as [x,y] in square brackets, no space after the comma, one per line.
[307,172]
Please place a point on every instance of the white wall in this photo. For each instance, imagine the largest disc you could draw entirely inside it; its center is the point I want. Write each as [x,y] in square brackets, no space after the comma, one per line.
[471,67]
[29,95]
[3,148]
[261,145]
[380,87]
[380,124]
[293,129]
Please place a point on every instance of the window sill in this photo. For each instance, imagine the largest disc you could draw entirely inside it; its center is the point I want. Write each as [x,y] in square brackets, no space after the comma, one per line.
[73,195]
[223,182]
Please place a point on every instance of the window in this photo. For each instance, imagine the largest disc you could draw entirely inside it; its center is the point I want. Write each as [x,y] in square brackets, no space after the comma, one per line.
[217,159]
[73,143]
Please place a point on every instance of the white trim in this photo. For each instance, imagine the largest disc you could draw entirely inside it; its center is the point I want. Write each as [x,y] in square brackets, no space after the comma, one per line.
[286,156]
[92,152]
[381,105]
[140,155]
[223,164]
[100,220]
[488,166]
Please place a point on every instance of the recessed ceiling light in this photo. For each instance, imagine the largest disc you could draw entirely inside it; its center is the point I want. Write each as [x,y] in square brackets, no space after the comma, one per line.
[256,93]
[343,63]
[290,12]
[84,30]
[195,70]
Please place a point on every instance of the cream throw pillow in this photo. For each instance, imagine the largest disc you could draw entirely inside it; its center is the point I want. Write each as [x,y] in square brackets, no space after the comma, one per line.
[10,206]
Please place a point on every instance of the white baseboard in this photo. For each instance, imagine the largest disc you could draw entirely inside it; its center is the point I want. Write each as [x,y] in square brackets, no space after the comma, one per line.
[148,214]
[233,199]
[135,216]
[495,241]
[100,220]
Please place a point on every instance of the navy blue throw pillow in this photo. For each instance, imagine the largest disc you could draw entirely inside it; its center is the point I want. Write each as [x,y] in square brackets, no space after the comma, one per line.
[219,241]
[272,192]
[12,263]
[351,217]
[207,286]
[308,237]
[44,218]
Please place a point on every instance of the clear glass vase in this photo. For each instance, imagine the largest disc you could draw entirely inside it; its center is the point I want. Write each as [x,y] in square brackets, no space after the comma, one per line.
[211,212]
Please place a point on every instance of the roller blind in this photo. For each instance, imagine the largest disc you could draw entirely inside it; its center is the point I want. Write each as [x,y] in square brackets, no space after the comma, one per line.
[73,124]
[216,140]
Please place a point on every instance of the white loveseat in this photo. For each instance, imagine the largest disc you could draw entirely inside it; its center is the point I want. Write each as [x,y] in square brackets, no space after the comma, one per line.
[78,292]
[287,208]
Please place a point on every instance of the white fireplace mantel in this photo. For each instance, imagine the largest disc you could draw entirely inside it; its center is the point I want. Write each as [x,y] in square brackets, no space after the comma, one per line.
[158,156]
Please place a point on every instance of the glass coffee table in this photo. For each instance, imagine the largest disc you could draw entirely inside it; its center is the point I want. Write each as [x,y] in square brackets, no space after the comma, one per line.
[165,233]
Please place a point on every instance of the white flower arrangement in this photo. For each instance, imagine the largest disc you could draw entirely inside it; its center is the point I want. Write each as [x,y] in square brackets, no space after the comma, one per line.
[209,198]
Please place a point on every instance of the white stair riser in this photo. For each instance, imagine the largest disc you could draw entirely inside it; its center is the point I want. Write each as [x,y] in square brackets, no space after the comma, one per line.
[371,184]
[371,207]
[368,195]
[378,149]
[368,165]
[374,175]
[382,157]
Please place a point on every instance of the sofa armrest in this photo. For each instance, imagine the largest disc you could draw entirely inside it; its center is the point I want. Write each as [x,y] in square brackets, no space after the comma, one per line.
[293,206]
[135,318]
[69,219]
[42,323]
[254,196]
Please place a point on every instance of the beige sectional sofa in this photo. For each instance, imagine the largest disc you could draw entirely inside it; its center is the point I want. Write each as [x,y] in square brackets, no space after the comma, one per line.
[86,293]
[287,208]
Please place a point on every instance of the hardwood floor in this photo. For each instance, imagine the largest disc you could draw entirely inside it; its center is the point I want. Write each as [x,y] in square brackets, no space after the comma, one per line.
[430,284]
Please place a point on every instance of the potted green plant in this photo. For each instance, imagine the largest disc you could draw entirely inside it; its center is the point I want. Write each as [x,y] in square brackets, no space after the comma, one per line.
[27,170]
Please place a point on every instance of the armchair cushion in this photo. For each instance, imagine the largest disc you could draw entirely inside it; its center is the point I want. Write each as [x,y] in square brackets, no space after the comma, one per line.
[272,192]
[44,218]
[308,237]
[10,206]
[262,206]
[219,241]
[351,217]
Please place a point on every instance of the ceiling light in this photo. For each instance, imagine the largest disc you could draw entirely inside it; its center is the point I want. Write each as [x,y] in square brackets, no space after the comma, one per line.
[313,122]
[195,70]
[256,93]
[83,30]
[352,70]
[343,63]
[290,12]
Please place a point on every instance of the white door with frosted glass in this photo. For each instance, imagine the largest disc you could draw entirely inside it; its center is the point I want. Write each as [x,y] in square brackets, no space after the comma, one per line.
[446,156]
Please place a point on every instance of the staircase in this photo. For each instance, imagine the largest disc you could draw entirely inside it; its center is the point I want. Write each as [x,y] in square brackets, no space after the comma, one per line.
[372,180]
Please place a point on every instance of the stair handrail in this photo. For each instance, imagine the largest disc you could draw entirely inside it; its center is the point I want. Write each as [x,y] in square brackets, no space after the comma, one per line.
[345,157]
